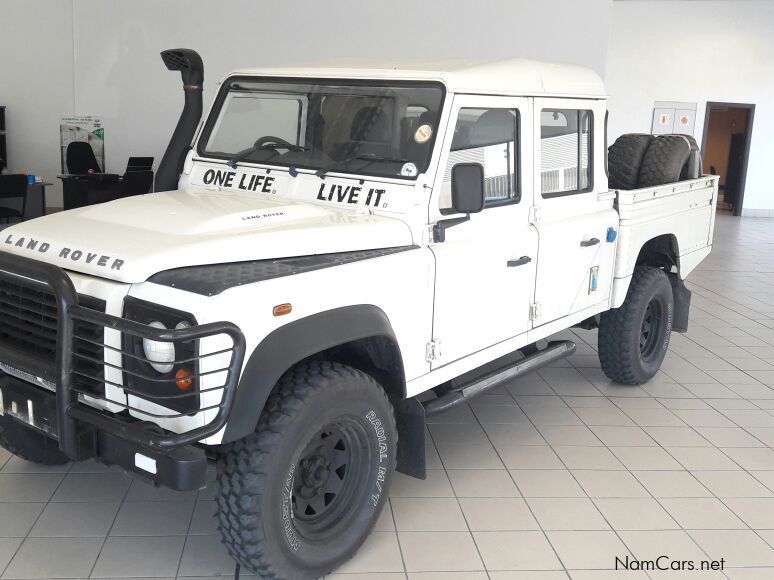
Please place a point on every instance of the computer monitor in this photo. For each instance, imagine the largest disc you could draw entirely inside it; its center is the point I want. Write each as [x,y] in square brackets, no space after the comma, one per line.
[140,164]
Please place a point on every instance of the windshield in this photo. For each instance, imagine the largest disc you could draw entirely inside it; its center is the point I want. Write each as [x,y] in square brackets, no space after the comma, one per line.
[378,128]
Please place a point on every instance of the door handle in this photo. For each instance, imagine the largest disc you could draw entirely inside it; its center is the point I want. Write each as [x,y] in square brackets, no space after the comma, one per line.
[520,262]
[588,243]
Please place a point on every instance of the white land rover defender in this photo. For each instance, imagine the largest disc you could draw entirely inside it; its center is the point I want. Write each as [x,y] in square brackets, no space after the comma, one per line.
[334,254]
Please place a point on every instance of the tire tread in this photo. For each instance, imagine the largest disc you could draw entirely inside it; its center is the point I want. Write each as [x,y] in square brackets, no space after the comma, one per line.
[242,465]
[618,356]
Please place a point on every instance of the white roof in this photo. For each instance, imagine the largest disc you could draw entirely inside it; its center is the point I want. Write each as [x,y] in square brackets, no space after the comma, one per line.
[494,77]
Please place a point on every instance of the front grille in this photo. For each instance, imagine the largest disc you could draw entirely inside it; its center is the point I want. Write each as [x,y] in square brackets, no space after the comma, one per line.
[28,325]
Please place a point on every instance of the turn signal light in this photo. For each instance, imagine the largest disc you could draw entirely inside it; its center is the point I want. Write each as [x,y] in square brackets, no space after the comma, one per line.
[282,309]
[184,379]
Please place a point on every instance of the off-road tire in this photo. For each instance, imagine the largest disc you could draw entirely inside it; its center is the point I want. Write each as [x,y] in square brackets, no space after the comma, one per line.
[29,444]
[257,499]
[622,355]
[685,173]
[624,158]
[664,161]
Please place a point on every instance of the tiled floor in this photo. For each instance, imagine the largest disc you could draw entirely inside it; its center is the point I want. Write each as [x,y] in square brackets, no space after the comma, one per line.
[553,477]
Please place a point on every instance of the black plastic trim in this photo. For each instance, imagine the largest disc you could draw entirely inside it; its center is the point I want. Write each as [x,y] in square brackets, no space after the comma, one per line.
[440,227]
[292,343]
[553,352]
[682,300]
[210,280]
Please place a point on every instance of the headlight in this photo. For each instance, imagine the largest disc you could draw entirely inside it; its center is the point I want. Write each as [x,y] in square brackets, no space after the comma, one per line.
[161,354]
[150,366]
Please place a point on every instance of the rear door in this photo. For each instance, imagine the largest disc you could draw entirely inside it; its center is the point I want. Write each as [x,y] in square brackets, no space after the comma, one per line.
[575,219]
[485,267]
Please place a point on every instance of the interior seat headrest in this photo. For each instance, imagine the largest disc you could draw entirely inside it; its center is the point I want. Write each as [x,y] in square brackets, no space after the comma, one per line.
[370,124]
[494,126]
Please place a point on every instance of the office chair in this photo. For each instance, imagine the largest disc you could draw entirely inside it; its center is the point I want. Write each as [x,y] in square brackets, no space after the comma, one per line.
[81,159]
[13,187]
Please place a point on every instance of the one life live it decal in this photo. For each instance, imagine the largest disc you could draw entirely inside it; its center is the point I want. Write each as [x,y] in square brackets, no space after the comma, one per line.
[343,192]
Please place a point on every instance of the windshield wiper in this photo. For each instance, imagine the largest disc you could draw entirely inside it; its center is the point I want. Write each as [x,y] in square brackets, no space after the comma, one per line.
[273,147]
[369,157]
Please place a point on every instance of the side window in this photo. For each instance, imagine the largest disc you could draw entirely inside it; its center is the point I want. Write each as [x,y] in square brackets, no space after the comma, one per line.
[488,137]
[565,151]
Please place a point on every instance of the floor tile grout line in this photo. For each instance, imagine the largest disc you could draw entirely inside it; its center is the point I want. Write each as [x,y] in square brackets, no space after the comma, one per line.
[721,499]
[627,470]
[709,291]
[110,529]
[397,537]
[188,534]
[26,536]
[464,517]
[529,507]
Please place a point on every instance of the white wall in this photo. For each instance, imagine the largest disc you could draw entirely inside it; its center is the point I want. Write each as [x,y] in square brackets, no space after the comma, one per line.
[101,56]
[36,82]
[696,52]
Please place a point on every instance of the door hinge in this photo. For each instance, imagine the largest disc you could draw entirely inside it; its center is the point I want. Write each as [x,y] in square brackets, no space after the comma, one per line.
[433,351]
[534,214]
[534,311]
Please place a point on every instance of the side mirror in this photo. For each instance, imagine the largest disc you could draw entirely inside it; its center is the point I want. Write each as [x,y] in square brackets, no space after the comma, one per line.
[467,187]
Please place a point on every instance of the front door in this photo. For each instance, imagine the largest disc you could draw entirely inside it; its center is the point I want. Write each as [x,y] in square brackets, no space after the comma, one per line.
[575,218]
[485,267]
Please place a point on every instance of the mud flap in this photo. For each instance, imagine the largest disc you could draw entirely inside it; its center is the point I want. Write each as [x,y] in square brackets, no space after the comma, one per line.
[682,299]
[410,420]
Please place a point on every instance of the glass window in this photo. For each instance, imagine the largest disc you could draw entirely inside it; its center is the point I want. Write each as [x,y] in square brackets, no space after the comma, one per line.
[363,127]
[565,151]
[488,137]
[275,115]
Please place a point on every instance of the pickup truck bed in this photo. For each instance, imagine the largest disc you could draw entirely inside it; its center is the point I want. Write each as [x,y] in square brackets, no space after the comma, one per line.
[682,212]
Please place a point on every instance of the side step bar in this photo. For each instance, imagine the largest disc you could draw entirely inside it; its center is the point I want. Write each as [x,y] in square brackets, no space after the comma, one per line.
[410,413]
[553,352]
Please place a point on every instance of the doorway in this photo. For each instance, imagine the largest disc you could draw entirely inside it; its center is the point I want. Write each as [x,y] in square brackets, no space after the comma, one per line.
[726,147]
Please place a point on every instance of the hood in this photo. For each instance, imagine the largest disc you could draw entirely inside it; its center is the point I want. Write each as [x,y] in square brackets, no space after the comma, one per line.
[130,239]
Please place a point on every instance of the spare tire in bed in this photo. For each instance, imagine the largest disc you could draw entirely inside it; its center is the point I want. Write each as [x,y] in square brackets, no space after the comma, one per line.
[664,160]
[624,158]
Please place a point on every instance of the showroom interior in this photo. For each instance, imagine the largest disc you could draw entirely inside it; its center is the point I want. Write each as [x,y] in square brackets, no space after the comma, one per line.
[559,474]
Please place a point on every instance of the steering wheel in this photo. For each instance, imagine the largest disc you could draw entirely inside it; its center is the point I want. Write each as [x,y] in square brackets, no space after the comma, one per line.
[271,142]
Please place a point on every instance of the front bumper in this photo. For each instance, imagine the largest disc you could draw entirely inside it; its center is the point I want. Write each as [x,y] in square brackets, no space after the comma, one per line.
[83,431]
[181,468]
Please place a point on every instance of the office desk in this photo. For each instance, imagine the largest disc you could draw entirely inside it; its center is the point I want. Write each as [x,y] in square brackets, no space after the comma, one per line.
[36,200]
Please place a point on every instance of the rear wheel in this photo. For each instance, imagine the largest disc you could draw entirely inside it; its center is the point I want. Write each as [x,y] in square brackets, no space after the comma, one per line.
[634,338]
[298,497]
[29,444]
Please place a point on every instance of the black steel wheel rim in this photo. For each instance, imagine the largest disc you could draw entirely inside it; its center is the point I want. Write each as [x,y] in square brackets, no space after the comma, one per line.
[650,330]
[331,472]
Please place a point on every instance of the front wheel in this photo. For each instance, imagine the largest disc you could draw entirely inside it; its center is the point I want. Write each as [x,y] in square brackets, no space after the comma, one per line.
[634,338]
[297,498]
